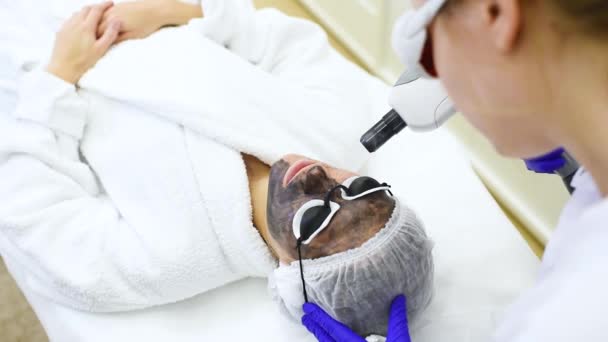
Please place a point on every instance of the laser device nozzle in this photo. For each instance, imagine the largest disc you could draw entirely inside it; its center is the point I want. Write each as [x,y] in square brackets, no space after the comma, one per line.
[418,103]
[380,133]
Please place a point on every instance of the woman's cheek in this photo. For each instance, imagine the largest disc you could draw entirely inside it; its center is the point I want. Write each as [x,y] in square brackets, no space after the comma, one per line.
[460,92]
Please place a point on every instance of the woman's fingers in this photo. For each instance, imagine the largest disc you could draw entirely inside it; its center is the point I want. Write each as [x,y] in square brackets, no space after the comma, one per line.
[316,329]
[109,37]
[398,329]
[82,14]
[102,27]
[331,327]
[108,16]
[399,308]
[96,13]
[125,36]
[77,48]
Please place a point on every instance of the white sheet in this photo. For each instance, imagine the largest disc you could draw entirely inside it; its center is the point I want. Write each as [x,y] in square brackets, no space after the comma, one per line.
[482,264]
[7,87]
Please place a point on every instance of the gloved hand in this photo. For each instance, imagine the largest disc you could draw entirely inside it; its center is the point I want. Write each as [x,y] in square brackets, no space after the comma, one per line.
[327,329]
[548,163]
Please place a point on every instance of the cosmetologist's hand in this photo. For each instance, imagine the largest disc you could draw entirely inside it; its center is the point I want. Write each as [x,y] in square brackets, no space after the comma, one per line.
[77,47]
[327,329]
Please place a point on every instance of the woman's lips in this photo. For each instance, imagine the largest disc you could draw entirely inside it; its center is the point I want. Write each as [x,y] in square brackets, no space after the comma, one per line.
[296,169]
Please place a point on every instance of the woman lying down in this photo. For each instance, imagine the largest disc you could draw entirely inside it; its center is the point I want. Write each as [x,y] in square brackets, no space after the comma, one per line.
[170,170]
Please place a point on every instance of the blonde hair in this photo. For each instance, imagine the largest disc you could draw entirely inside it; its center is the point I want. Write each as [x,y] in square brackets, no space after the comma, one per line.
[589,15]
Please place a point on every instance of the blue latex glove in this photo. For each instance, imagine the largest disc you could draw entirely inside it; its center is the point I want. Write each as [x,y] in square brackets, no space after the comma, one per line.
[327,329]
[548,163]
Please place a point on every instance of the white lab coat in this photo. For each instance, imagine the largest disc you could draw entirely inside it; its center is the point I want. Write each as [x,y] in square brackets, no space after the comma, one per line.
[570,299]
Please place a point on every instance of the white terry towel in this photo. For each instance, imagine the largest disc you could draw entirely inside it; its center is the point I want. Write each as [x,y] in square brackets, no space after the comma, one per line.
[157,208]
[301,96]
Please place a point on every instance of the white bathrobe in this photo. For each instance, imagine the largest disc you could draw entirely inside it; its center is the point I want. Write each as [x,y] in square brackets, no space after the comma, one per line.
[131,192]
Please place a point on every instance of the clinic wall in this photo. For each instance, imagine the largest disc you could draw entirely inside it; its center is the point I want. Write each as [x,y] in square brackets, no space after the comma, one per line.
[365,26]
[362,26]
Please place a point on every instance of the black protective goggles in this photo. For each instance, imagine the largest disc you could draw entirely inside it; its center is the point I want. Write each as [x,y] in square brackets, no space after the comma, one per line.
[315,215]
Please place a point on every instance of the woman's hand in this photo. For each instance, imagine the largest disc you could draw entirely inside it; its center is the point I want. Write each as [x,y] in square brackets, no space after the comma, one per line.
[77,47]
[144,17]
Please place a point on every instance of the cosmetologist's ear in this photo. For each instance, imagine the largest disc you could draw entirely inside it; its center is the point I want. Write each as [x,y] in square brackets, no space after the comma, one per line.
[505,22]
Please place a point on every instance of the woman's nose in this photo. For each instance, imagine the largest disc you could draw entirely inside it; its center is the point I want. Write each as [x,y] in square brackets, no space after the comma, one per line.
[316,181]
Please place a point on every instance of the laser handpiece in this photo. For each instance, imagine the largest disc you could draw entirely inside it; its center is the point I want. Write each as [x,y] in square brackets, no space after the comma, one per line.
[423,105]
[418,103]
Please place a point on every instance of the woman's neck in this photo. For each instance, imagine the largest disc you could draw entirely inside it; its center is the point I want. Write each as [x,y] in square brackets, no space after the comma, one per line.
[588,141]
[582,126]
[258,174]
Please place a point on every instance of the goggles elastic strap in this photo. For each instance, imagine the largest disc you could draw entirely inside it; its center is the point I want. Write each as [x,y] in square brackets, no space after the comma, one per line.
[388,186]
[302,270]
